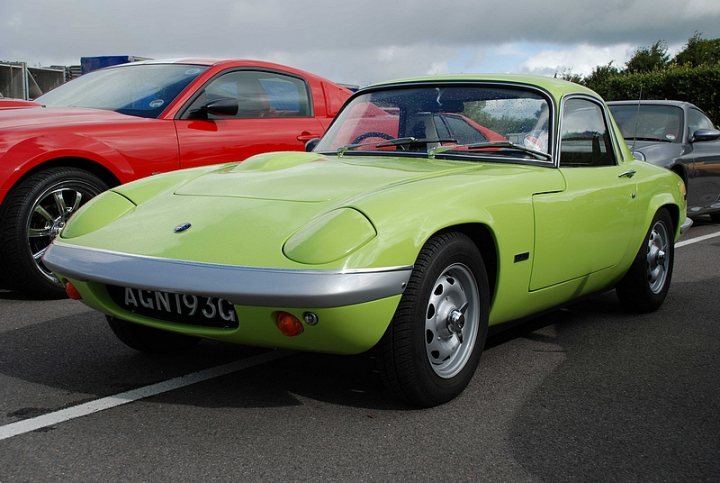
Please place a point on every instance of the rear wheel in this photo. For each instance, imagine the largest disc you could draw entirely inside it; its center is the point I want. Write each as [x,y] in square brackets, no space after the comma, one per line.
[715,217]
[33,214]
[149,340]
[432,347]
[645,285]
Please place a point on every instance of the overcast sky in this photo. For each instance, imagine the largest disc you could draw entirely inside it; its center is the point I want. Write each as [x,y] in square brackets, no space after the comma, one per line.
[357,42]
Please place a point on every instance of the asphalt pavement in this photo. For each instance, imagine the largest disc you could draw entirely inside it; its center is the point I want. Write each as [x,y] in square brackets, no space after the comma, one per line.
[585,393]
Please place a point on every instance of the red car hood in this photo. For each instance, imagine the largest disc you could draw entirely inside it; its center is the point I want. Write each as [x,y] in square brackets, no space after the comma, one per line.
[58,116]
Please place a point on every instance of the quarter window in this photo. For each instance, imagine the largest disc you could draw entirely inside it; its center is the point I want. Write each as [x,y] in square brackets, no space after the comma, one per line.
[584,139]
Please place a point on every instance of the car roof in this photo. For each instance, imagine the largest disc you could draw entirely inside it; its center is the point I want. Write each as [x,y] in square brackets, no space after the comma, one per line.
[652,102]
[224,62]
[199,61]
[558,87]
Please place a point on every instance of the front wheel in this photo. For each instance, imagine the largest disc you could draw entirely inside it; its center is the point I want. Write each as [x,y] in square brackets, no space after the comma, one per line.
[34,212]
[149,340]
[432,347]
[644,287]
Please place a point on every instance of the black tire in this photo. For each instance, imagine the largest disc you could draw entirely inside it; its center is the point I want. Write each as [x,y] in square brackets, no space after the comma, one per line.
[33,213]
[149,340]
[418,358]
[715,217]
[644,287]
[372,134]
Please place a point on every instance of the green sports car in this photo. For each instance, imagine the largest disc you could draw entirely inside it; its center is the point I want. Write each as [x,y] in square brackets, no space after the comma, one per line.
[432,209]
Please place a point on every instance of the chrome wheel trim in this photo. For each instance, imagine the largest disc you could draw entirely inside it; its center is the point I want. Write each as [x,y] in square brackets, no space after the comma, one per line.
[452,320]
[48,215]
[658,259]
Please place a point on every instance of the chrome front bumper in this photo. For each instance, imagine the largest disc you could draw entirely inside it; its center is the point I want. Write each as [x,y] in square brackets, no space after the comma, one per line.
[237,284]
[686,225]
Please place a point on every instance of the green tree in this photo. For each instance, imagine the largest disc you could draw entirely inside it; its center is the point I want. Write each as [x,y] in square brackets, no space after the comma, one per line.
[600,76]
[648,59]
[693,76]
[569,76]
[699,51]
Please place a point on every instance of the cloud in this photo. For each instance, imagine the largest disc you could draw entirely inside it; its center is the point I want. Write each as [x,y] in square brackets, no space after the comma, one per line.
[364,66]
[577,60]
[582,59]
[356,42]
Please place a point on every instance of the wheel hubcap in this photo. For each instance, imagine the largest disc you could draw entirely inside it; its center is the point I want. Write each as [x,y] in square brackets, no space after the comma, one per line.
[658,262]
[456,320]
[48,216]
[451,320]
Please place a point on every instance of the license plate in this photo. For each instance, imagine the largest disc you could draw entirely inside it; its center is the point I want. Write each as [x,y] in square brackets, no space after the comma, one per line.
[183,308]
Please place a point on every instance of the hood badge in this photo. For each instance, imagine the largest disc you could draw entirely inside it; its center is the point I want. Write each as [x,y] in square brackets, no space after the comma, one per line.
[182,227]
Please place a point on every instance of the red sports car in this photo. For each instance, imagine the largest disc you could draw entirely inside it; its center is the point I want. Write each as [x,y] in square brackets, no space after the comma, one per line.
[134,120]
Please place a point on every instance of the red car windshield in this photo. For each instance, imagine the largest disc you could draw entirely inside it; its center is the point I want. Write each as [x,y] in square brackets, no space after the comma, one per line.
[142,90]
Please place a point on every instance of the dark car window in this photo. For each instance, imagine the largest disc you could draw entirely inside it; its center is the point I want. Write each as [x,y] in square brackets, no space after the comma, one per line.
[584,140]
[259,94]
[698,120]
[143,90]
[650,122]
[461,130]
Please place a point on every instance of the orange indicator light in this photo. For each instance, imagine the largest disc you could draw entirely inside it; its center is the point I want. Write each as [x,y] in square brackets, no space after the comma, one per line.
[288,324]
[72,292]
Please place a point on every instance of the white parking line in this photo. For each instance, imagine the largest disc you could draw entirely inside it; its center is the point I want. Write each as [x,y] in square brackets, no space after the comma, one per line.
[50,419]
[696,239]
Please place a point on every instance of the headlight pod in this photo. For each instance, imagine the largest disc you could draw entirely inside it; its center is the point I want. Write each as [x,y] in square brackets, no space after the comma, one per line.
[96,213]
[330,237]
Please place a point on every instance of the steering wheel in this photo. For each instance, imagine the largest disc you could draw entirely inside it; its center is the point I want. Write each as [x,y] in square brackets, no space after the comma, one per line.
[372,134]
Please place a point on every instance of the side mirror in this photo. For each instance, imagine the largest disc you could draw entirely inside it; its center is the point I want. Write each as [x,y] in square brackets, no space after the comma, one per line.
[705,135]
[222,107]
[310,145]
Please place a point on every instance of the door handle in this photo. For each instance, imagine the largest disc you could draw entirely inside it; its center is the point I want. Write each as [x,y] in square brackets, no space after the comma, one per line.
[627,174]
[306,136]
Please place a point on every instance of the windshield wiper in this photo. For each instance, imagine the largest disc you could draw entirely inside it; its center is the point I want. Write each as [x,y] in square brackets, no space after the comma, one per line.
[491,144]
[646,138]
[406,141]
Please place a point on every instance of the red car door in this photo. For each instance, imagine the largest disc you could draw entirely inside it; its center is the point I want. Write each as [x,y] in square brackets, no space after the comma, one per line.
[245,112]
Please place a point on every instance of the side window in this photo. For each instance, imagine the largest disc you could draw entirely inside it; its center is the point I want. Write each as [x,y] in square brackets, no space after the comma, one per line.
[462,131]
[584,139]
[287,96]
[258,94]
[698,120]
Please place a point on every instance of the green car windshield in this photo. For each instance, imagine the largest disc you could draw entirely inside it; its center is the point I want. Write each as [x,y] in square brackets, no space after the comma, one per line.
[143,90]
[478,120]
